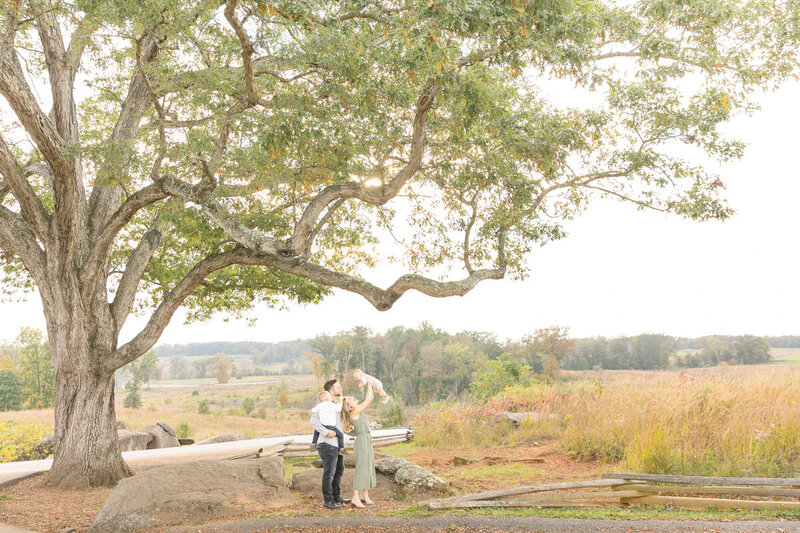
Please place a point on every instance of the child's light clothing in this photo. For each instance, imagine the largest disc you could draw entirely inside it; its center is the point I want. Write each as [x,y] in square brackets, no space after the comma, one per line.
[377,386]
[327,417]
[327,412]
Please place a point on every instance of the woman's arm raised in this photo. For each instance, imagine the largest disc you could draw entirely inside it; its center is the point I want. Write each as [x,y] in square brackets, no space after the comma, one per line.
[363,405]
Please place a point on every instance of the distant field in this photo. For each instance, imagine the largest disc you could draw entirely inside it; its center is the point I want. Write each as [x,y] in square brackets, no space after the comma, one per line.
[786,356]
[178,401]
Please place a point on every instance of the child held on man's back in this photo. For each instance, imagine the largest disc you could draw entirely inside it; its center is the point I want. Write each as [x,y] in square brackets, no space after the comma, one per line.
[377,385]
[327,409]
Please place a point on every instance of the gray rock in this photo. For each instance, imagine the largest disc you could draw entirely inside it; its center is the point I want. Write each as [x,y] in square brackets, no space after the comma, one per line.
[350,460]
[130,440]
[200,490]
[390,465]
[163,436]
[309,483]
[416,478]
[121,424]
[225,437]
[46,446]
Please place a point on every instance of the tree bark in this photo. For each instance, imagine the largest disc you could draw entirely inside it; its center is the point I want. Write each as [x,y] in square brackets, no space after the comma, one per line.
[87,452]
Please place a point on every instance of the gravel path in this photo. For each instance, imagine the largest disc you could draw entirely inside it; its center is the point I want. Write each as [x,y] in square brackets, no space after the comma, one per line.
[484,524]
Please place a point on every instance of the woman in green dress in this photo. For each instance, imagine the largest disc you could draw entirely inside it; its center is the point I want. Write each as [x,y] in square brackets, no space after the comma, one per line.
[355,420]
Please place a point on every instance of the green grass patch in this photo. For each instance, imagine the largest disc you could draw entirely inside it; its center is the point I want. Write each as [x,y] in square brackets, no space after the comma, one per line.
[4,497]
[518,473]
[291,465]
[402,449]
[611,512]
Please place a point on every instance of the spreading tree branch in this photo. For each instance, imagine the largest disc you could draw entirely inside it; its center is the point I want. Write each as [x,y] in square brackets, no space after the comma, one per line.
[16,238]
[382,299]
[304,228]
[102,243]
[30,206]
[61,74]
[134,270]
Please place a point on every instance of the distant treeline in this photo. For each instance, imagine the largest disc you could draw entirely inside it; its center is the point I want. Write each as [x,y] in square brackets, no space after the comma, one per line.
[652,352]
[786,341]
[262,353]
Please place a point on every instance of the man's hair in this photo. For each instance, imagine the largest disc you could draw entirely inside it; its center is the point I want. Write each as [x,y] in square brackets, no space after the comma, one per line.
[357,370]
[323,395]
[330,383]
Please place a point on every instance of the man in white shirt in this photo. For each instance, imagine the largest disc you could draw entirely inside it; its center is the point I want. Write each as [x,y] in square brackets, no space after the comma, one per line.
[328,449]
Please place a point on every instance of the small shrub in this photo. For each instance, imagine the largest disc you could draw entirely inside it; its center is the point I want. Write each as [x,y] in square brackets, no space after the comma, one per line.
[393,412]
[195,392]
[133,400]
[203,407]
[248,404]
[183,431]
[18,440]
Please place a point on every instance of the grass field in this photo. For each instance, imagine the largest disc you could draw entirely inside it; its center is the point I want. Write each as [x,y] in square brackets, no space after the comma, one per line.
[730,420]
[785,356]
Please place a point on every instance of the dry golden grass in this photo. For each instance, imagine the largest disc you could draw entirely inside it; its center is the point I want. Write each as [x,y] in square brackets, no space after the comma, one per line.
[738,421]
[727,421]
[176,405]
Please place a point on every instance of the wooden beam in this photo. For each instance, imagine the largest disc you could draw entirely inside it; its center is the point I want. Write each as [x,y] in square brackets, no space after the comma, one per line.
[759,481]
[569,496]
[717,503]
[706,489]
[538,488]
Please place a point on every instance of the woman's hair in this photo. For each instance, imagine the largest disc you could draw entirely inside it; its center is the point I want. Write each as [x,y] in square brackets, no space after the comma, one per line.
[347,424]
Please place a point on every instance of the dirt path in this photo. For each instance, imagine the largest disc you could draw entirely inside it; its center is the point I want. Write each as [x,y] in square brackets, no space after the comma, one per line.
[483,524]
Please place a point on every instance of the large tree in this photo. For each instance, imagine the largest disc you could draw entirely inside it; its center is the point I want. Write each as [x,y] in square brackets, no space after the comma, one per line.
[208,155]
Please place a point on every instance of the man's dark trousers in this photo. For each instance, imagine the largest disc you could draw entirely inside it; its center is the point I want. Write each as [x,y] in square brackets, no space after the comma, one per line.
[332,470]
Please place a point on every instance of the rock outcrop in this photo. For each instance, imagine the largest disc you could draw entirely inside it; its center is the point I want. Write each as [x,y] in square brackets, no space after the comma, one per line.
[200,490]
[225,437]
[414,478]
[163,436]
[130,439]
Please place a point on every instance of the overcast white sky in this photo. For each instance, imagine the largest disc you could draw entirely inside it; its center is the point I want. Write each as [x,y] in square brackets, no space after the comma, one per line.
[619,271]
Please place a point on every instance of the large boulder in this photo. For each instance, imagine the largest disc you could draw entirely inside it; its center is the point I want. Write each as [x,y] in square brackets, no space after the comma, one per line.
[163,436]
[390,465]
[414,478]
[46,446]
[225,437]
[397,478]
[130,440]
[350,460]
[200,490]
[309,483]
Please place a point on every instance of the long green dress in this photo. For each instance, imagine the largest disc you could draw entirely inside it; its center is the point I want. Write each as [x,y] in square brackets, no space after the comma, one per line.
[364,477]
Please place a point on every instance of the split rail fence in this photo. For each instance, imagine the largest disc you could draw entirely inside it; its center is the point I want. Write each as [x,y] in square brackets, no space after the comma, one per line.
[696,492]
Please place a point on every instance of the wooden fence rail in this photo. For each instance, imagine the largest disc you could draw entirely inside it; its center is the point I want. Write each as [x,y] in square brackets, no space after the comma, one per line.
[640,489]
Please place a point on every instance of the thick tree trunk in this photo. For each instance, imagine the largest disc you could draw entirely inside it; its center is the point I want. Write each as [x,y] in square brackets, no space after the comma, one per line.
[87,451]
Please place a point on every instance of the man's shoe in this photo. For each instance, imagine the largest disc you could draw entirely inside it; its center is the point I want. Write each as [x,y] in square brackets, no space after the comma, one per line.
[332,505]
[385,399]
[343,501]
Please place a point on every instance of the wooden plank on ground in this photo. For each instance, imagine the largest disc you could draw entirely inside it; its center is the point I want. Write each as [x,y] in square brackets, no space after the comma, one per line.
[711,489]
[585,495]
[759,481]
[538,488]
[717,503]
[441,504]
